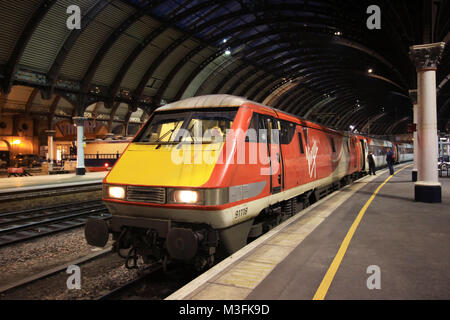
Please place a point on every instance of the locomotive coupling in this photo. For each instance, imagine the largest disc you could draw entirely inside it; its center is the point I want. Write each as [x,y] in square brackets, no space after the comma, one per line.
[96,232]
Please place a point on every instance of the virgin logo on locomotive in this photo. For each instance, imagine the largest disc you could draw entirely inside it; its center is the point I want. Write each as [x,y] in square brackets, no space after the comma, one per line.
[311,155]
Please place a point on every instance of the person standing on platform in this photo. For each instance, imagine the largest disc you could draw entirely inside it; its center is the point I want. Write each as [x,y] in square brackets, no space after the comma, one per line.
[390,160]
[371,161]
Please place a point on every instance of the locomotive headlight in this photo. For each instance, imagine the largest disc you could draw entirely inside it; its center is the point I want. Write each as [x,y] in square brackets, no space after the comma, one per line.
[116,192]
[186,196]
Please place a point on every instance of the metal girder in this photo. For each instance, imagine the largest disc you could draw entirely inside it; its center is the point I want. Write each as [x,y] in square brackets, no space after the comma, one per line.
[305,83]
[19,48]
[52,111]
[155,64]
[371,121]
[237,83]
[309,76]
[249,86]
[322,38]
[344,103]
[316,104]
[442,83]
[30,101]
[193,74]
[146,77]
[55,69]
[239,54]
[112,114]
[287,99]
[175,70]
[168,23]
[127,121]
[106,46]
[310,100]
[198,69]
[347,108]
[337,108]
[294,63]
[228,77]
[262,86]
[223,66]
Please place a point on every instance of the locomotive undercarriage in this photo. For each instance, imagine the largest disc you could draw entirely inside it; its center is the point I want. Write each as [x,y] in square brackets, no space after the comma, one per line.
[163,241]
[191,244]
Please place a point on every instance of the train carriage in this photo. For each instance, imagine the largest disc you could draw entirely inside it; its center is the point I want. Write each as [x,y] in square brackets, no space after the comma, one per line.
[208,172]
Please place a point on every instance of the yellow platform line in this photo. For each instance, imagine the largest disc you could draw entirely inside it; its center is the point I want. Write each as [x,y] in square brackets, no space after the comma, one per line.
[329,276]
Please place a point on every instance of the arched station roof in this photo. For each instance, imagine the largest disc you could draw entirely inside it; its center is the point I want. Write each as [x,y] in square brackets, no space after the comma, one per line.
[310,58]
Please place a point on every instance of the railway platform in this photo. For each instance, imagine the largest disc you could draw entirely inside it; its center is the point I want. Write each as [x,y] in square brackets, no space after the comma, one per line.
[23,193]
[48,181]
[369,240]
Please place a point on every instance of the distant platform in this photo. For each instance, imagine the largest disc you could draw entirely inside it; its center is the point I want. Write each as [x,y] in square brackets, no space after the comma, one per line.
[365,235]
[17,184]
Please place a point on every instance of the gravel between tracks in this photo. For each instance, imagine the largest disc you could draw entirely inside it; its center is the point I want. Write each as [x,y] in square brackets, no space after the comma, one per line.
[98,276]
[24,259]
[29,258]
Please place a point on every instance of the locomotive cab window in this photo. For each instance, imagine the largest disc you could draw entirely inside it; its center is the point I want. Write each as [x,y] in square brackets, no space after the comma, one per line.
[190,126]
[300,141]
[333,147]
[252,132]
[262,128]
[287,132]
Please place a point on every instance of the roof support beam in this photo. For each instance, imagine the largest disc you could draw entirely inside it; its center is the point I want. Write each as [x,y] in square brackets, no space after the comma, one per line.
[55,69]
[30,27]
[106,46]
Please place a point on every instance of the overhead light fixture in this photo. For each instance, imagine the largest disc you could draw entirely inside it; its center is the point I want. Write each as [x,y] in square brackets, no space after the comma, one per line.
[370,70]
[224,41]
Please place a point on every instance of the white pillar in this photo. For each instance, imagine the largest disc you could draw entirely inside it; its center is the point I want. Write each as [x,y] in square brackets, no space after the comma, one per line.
[426,57]
[413,96]
[79,122]
[50,148]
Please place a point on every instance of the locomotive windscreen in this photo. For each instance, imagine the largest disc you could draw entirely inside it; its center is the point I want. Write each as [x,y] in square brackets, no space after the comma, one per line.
[199,126]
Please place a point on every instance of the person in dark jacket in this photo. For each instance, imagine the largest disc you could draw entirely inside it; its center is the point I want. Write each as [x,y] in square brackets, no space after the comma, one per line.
[371,161]
[390,160]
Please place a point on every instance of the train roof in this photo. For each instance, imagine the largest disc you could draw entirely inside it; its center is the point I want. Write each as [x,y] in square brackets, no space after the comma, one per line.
[207,101]
[224,101]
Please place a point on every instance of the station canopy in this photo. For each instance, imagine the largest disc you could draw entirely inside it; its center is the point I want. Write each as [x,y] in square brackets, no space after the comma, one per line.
[316,59]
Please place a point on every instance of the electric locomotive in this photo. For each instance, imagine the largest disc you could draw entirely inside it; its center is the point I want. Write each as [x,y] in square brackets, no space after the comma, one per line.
[207,173]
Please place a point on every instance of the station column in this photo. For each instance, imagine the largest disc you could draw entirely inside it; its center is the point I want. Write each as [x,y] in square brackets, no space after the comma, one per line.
[426,58]
[413,96]
[79,122]
[50,150]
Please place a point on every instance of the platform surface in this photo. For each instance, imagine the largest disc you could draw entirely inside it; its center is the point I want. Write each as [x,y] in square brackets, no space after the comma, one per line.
[49,181]
[407,241]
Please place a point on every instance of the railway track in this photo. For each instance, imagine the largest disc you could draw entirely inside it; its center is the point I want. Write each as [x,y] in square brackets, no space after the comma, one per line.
[50,272]
[50,191]
[22,225]
[117,292]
